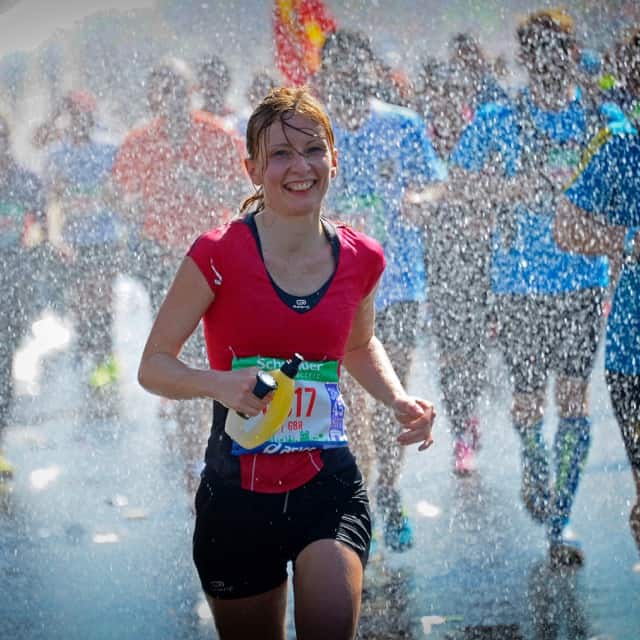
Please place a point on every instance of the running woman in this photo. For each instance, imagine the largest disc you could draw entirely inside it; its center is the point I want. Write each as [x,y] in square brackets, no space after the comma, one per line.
[279,280]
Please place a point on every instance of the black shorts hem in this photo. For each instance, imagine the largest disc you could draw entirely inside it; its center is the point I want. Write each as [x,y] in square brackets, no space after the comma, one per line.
[237,594]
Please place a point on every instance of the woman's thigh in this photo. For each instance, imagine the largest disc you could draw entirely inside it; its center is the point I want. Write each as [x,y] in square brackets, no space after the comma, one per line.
[262,616]
[328,590]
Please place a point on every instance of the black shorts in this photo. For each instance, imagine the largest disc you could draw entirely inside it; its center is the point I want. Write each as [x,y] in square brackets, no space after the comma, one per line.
[243,540]
[549,333]
[625,399]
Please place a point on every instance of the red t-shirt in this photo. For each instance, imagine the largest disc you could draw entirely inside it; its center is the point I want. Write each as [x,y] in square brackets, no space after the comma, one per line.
[248,318]
[185,188]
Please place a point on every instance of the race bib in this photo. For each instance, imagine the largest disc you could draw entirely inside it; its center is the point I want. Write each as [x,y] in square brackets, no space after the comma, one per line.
[316,417]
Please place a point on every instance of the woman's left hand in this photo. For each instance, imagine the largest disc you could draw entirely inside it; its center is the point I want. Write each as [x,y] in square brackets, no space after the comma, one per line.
[416,417]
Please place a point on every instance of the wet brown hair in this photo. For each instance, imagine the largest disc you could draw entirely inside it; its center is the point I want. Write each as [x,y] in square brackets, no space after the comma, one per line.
[281,104]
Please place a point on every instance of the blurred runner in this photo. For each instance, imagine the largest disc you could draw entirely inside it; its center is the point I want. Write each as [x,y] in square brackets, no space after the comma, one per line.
[458,255]
[214,83]
[88,233]
[260,84]
[22,222]
[442,102]
[602,217]
[180,171]
[181,168]
[473,73]
[515,158]
[393,85]
[615,97]
[385,154]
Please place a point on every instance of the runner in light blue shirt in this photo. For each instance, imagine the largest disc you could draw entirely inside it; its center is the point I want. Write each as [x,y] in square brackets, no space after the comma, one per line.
[548,301]
[384,154]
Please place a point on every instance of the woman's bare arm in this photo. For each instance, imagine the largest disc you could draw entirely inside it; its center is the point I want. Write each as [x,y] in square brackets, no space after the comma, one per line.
[161,371]
[368,362]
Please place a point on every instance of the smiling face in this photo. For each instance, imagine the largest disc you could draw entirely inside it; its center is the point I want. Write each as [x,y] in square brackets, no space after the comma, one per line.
[294,165]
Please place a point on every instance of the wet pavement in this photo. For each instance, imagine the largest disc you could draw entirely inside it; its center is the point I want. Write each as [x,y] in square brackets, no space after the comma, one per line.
[95,528]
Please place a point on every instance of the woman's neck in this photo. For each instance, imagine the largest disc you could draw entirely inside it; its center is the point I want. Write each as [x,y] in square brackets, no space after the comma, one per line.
[290,235]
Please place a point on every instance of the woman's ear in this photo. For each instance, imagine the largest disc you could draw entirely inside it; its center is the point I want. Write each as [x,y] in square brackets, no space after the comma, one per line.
[334,163]
[253,170]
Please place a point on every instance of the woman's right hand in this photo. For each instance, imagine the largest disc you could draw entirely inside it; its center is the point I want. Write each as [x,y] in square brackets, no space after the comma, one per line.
[234,389]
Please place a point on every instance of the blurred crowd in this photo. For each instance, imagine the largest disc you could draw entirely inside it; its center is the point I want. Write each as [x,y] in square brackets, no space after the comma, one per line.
[460,177]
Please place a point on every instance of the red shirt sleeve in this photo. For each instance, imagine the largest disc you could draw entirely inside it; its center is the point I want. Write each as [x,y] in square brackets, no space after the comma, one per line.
[376,263]
[206,252]
[367,254]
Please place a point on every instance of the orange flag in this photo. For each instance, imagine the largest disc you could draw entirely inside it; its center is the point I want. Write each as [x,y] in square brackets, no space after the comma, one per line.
[300,29]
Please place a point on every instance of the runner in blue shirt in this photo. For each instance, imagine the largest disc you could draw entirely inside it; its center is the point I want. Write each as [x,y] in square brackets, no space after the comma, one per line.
[601,216]
[548,301]
[384,155]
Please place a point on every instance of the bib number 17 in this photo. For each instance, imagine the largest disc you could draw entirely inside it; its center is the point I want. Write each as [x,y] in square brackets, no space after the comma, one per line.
[305,399]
